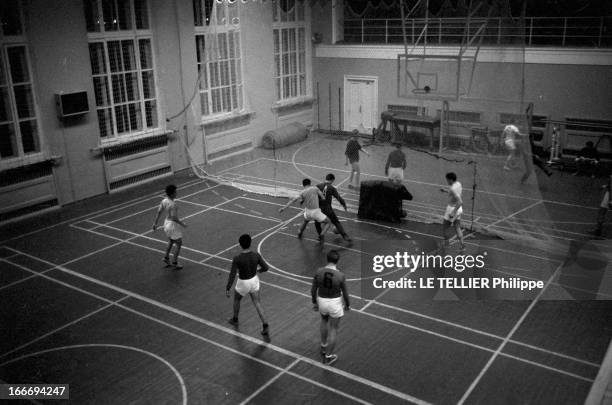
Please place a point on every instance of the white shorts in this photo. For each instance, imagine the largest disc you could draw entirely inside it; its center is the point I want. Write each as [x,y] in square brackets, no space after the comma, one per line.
[173,230]
[449,211]
[396,174]
[314,215]
[244,287]
[333,307]
[605,202]
[510,144]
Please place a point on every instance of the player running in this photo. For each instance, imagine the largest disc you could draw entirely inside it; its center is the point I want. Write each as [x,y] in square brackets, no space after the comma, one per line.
[329,191]
[454,209]
[328,293]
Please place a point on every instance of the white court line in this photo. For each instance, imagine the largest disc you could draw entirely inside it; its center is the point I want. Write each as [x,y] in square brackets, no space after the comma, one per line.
[218,207]
[124,204]
[149,208]
[106,345]
[269,382]
[518,323]
[184,331]
[233,332]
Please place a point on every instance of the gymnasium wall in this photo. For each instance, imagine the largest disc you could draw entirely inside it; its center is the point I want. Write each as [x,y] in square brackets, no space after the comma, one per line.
[59,57]
[557,91]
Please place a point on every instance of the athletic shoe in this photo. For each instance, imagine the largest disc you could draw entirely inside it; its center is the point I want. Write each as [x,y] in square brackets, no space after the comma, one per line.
[233,321]
[299,235]
[323,350]
[177,266]
[266,329]
[330,359]
[167,261]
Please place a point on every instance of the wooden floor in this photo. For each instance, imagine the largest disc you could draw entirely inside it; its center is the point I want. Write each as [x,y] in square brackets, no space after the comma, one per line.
[90,304]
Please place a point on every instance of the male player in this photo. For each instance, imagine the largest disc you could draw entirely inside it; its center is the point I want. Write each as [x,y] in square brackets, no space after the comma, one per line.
[325,203]
[454,209]
[172,226]
[396,163]
[310,196]
[352,156]
[330,298]
[511,133]
[246,265]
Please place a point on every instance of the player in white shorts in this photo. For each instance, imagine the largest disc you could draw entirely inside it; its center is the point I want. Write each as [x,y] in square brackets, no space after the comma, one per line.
[172,226]
[247,264]
[330,298]
[454,209]
[511,132]
[312,212]
[603,207]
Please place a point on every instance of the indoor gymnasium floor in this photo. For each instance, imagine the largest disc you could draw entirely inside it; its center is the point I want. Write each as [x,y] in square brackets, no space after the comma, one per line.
[94,307]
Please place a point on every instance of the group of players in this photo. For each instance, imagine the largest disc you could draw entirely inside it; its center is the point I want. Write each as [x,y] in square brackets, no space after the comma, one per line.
[329,292]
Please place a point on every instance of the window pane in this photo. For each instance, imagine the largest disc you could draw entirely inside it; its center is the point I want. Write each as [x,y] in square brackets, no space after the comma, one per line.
[285,35]
[24,100]
[10,18]
[129,56]
[151,112]
[220,10]
[118,89]
[274,10]
[232,71]
[227,104]
[232,48]
[276,42]
[300,10]
[142,14]
[283,10]
[293,86]
[131,86]
[276,65]
[290,10]
[285,70]
[96,55]
[237,43]
[214,74]
[29,136]
[135,113]
[110,15]
[5,105]
[234,97]
[222,45]
[105,122]
[121,115]
[101,91]
[240,106]
[124,14]
[202,71]
[293,63]
[286,87]
[114,55]
[301,39]
[18,64]
[146,54]
[302,65]
[238,72]
[216,101]
[91,15]
[148,84]
[8,144]
[204,103]
[224,73]
[292,40]
[200,48]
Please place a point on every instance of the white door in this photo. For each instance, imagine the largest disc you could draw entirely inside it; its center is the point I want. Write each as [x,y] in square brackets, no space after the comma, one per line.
[360,104]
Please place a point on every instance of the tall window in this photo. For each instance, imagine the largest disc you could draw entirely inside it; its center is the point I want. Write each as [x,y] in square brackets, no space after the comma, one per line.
[121,54]
[19,130]
[289,30]
[217,27]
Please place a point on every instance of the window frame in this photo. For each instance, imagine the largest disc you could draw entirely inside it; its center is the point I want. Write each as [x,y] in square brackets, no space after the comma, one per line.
[135,35]
[295,26]
[213,29]
[20,41]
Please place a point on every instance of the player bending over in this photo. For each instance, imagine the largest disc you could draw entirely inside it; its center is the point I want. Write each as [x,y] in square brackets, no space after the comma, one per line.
[310,197]
[246,265]
[172,226]
[454,209]
[330,298]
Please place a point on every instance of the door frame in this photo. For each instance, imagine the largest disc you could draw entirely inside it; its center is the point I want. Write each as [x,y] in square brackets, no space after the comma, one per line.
[374,81]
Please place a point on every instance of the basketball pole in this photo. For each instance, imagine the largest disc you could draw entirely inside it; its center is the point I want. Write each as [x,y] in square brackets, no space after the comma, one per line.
[475,168]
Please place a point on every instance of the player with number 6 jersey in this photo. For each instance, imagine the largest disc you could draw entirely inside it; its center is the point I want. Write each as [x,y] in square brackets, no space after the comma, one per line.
[330,298]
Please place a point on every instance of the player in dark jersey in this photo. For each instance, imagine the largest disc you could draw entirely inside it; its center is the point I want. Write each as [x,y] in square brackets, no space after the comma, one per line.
[246,265]
[352,156]
[330,298]
[329,192]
